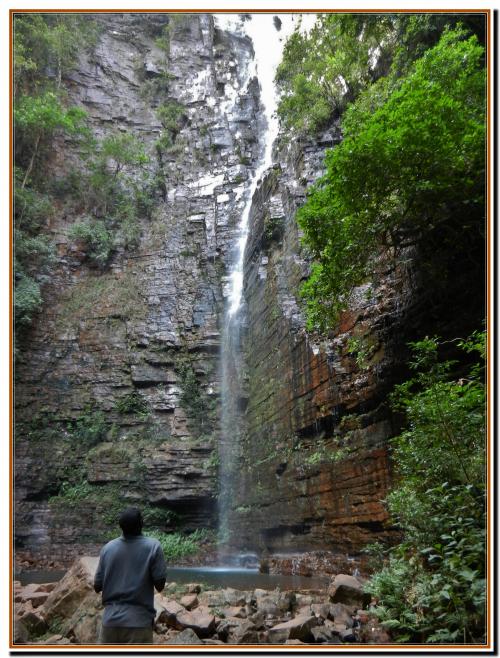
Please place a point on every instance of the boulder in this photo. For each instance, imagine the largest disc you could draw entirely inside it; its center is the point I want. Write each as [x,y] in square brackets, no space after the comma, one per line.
[33,621]
[75,588]
[235,611]
[237,631]
[349,590]
[275,603]
[193,588]
[37,598]
[21,632]
[234,597]
[85,625]
[200,620]
[187,636]
[74,601]
[322,635]
[347,635]
[189,601]
[341,614]
[320,610]
[257,618]
[57,639]
[298,628]
[168,614]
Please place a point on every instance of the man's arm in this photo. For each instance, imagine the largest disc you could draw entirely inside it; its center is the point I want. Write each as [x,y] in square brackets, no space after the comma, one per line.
[158,568]
[159,584]
[98,577]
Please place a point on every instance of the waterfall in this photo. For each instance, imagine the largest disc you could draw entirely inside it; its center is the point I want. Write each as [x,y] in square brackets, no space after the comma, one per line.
[268,42]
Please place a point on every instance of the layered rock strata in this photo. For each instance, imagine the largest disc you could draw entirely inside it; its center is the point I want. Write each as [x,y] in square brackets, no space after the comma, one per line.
[117,384]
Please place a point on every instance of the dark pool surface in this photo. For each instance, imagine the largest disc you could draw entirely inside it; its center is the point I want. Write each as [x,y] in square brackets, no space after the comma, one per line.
[242,578]
[215,577]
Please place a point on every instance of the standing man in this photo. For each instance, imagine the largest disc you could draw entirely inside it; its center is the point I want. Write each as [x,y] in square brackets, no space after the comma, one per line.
[129,567]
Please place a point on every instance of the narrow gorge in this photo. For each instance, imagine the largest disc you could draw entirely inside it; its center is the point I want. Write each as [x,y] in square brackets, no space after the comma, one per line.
[171,365]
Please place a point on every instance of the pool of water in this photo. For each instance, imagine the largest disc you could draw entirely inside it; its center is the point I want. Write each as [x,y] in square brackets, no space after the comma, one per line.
[245,579]
[213,577]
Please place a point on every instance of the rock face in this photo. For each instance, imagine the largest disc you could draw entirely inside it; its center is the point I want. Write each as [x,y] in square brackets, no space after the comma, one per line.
[315,466]
[117,384]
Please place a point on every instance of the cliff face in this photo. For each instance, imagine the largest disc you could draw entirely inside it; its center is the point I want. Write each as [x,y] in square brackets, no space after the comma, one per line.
[117,388]
[315,462]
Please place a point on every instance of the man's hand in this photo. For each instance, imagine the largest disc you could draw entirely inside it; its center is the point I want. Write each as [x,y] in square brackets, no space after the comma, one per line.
[159,584]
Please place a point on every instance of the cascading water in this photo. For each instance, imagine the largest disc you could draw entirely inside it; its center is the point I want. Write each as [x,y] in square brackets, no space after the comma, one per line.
[268,35]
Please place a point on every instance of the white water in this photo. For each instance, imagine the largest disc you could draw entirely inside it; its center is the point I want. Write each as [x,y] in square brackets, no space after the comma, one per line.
[268,48]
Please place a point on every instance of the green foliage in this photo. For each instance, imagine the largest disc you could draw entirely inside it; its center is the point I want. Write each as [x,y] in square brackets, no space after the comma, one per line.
[389,186]
[90,428]
[46,47]
[42,43]
[96,238]
[177,545]
[124,151]
[27,300]
[116,192]
[170,115]
[362,348]
[432,588]
[326,68]
[193,399]
[132,403]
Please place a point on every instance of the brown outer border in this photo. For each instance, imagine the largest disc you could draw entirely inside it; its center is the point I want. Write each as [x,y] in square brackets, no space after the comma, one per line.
[489,287]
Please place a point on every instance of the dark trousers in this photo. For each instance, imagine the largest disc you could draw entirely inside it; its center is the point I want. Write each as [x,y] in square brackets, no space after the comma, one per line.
[123,635]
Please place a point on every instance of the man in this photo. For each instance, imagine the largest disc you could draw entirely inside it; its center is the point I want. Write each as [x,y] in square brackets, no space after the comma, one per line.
[129,567]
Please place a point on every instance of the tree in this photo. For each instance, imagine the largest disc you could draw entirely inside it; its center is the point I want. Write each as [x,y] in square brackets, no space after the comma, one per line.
[324,70]
[410,171]
[36,118]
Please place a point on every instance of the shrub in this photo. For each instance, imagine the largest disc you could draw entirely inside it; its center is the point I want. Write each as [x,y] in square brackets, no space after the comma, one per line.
[96,237]
[177,545]
[132,403]
[432,588]
[27,300]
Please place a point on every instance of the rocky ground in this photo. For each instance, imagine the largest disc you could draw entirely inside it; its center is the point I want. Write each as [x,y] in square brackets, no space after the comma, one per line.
[69,612]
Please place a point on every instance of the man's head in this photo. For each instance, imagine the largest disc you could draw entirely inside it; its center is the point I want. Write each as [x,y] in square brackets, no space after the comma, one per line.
[131,521]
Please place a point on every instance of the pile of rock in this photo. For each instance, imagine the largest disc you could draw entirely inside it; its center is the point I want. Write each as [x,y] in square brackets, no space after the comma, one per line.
[70,612]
